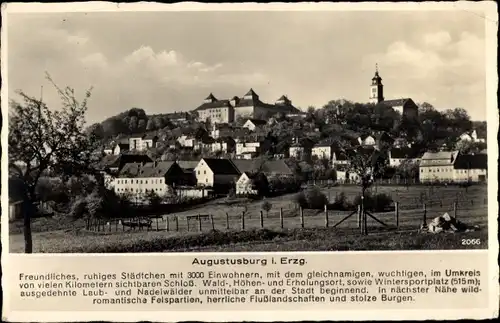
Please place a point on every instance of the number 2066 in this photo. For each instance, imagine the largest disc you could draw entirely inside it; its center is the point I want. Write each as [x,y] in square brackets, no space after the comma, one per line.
[471,242]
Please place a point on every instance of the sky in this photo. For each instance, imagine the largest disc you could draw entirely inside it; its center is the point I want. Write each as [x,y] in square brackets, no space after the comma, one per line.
[170,61]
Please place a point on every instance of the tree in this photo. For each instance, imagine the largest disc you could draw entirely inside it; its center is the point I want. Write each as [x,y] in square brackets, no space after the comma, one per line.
[153,198]
[266,206]
[408,169]
[41,139]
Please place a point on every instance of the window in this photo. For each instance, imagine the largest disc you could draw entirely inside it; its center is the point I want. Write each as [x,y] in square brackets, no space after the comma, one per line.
[198,172]
[146,181]
[204,172]
[206,180]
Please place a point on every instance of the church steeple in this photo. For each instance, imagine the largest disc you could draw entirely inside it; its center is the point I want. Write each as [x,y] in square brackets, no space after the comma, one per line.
[376,88]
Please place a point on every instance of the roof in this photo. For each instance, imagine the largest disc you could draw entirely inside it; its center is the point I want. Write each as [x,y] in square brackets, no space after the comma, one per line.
[404,152]
[153,169]
[258,122]
[188,164]
[221,166]
[396,102]
[150,136]
[214,105]
[283,98]
[479,161]
[247,165]
[252,93]
[277,167]
[211,97]
[440,158]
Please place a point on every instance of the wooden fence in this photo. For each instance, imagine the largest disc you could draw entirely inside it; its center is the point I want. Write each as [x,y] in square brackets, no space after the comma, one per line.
[402,217]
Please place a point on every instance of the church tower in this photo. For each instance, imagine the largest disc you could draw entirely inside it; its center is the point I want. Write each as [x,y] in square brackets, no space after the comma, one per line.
[376,88]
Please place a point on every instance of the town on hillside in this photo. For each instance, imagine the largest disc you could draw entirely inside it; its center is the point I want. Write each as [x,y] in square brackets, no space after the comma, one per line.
[240,150]
[223,144]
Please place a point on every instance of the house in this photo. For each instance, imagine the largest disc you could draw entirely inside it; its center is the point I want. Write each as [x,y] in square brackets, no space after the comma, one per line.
[135,143]
[438,166]
[254,124]
[367,140]
[216,111]
[221,130]
[220,174]
[323,150]
[223,144]
[109,148]
[339,158]
[271,168]
[301,149]
[178,117]
[252,184]
[138,179]
[473,168]
[186,141]
[112,164]
[252,147]
[400,155]
[472,137]
[149,141]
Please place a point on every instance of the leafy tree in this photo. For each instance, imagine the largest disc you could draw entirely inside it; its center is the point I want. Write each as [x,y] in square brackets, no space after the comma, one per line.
[153,198]
[266,206]
[41,139]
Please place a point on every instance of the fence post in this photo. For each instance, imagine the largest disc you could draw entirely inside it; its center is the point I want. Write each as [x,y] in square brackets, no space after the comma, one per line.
[157,227]
[471,202]
[424,224]
[187,222]
[212,220]
[359,218]
[109,226]
[123,227]
[301,217]
[199,222]
[98,225]
[227,221]
[261,219]
[326,216]
[396,213]
[455,209]
[176,223]
[365,222]
[242,220]
[116,225]
[168,224]
[281,217]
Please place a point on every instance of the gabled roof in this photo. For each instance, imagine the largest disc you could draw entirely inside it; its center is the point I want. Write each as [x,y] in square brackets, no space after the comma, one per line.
[211,97]
[276,167]
[221,166]
[283,98]
[396,102]
[247,165]
[188,164]
[440,158]
[252,93]
[479,161]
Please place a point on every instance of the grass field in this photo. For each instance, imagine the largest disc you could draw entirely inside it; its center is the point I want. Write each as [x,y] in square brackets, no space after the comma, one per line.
[184,236]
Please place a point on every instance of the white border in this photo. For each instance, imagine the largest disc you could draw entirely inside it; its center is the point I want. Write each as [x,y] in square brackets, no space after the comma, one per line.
[490,14]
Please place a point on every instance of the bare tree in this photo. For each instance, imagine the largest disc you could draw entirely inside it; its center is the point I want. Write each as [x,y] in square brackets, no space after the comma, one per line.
[42,140]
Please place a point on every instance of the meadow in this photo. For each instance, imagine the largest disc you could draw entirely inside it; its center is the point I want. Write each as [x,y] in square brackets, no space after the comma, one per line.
[222,230]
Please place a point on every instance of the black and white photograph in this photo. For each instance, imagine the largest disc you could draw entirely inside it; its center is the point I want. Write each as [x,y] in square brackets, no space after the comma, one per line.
[245,131]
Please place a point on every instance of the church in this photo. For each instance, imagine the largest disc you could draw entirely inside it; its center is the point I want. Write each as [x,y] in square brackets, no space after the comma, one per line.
[405,106]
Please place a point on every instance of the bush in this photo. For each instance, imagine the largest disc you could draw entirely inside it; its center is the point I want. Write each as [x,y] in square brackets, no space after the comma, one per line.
[341,203]
[311,198]
[376,203]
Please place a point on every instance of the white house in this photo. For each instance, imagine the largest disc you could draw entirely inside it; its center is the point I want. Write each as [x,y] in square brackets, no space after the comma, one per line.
[254,124]
[323,151]
[472,168]
[400,155]
[211,172]
[138,179]
[252,147]
[186,141]
[367,140]
[438,166]
[246,184]
[471,136]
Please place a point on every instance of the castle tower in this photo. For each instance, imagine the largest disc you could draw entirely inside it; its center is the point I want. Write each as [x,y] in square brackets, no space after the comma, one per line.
[376,88]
